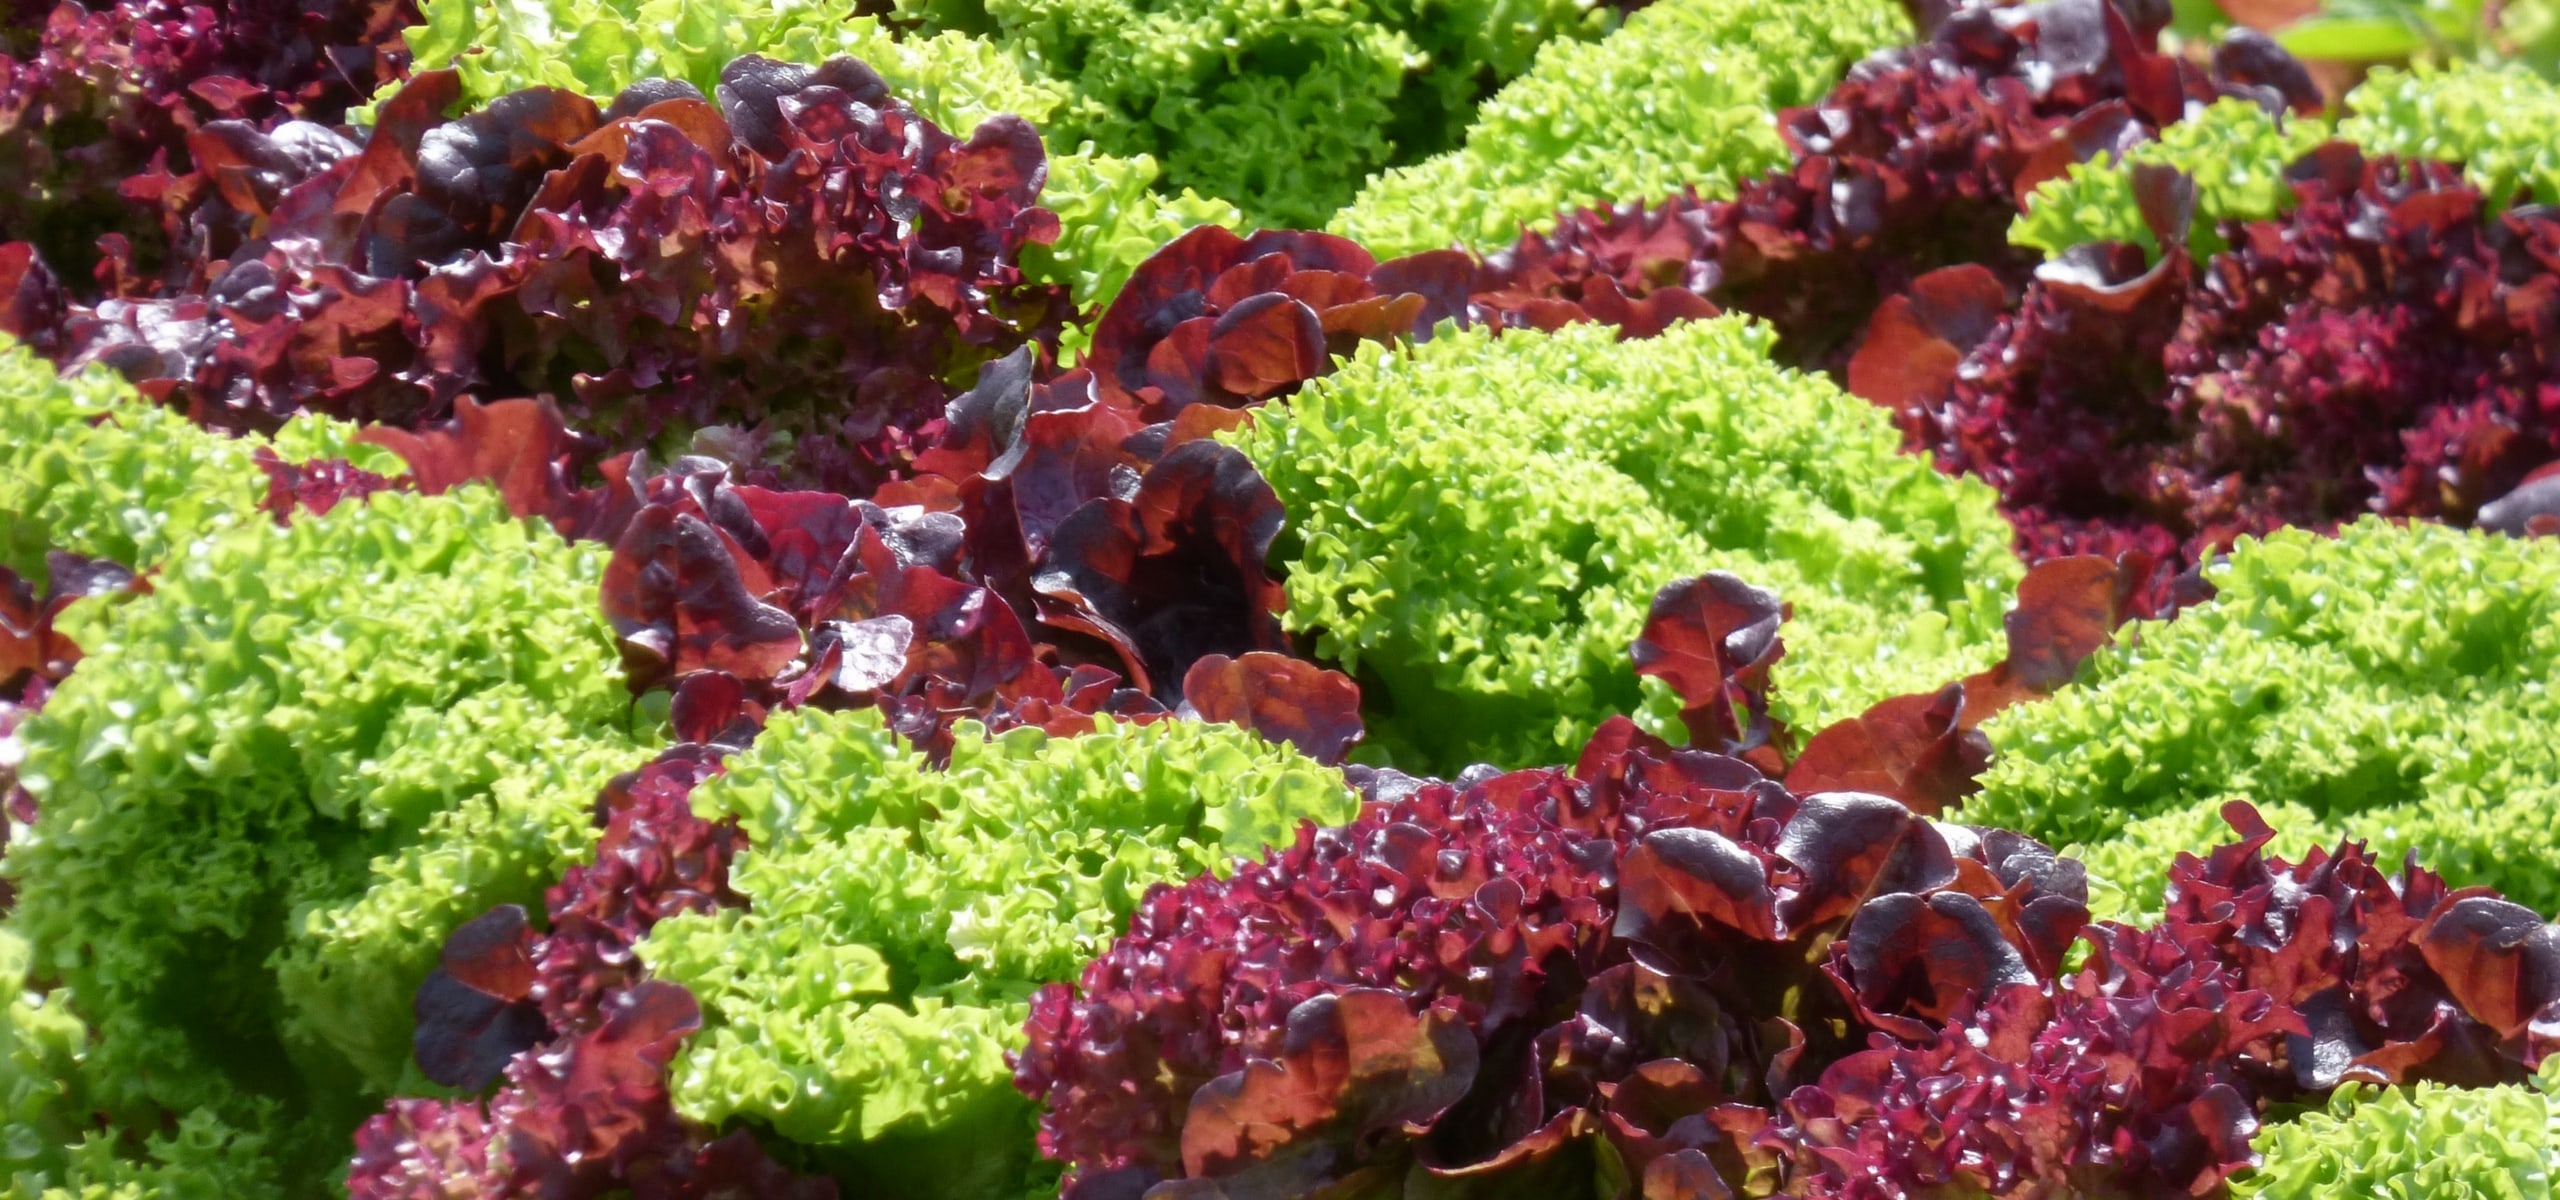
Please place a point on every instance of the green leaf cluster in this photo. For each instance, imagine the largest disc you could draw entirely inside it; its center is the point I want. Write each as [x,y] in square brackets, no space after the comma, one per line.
[900,918]
[1684,94]
[2393,684]
[86,466]
[1477,527]
[1282,106]
[2235,151]
[2496,120]
[274,783]
[2422,1142]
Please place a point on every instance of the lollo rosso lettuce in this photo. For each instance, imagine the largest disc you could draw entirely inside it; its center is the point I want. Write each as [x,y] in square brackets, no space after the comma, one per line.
[272,785]
[1111,215]
[2373,350]
[793,277]
[2389,684]
[1279,111]
[106,105]
[1478,526]
[1659,973]
[1680,96]
[1920,159]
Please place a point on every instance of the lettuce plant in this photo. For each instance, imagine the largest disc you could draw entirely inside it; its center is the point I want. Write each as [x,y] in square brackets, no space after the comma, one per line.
[795,276]
[105,106]
[1112,213]
[2387,684]
[1919,160]
[2422,1142]
[1659,973]
[2371,351]
[1681,96]
[1477,528]
[266,792]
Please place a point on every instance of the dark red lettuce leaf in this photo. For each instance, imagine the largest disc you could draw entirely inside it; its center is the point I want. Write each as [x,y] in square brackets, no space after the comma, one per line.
[1176,571]
[1713,639]
[475,1010]
[315,486]
[1282,698]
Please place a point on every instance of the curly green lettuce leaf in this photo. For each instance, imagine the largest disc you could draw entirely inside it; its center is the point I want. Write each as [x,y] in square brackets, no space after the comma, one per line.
[900,917]
[87,466]
[1282,108]
[1684,94]
[2422,1142]
[2235,150]
[2495,119]
[1478,526]
[2392,684]
[281,777]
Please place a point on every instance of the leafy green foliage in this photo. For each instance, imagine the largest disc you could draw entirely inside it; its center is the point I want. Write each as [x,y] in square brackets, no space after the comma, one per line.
[278,780]
[2426,32]
[1478,526]
[87,466]
[900,917]
[1281,107]
[2422,1142]
[1684,95]
[2392,684]
[2235,151]
[2495,120]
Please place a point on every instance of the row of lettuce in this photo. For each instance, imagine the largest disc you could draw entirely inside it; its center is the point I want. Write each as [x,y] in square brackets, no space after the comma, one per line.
[260,890]
[256,823]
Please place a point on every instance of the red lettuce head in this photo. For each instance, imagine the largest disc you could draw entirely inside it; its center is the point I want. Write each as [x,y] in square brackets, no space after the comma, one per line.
[794,278]
[2383,347]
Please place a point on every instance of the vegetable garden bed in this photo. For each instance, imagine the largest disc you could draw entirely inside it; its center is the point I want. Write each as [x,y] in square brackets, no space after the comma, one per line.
[1214,601]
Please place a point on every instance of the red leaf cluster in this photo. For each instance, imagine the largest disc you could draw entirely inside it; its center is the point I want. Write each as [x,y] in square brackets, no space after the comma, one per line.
[101,103]
[1479,982]
[792,277]
[2384,347]
[1663,959]
[1919,160]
